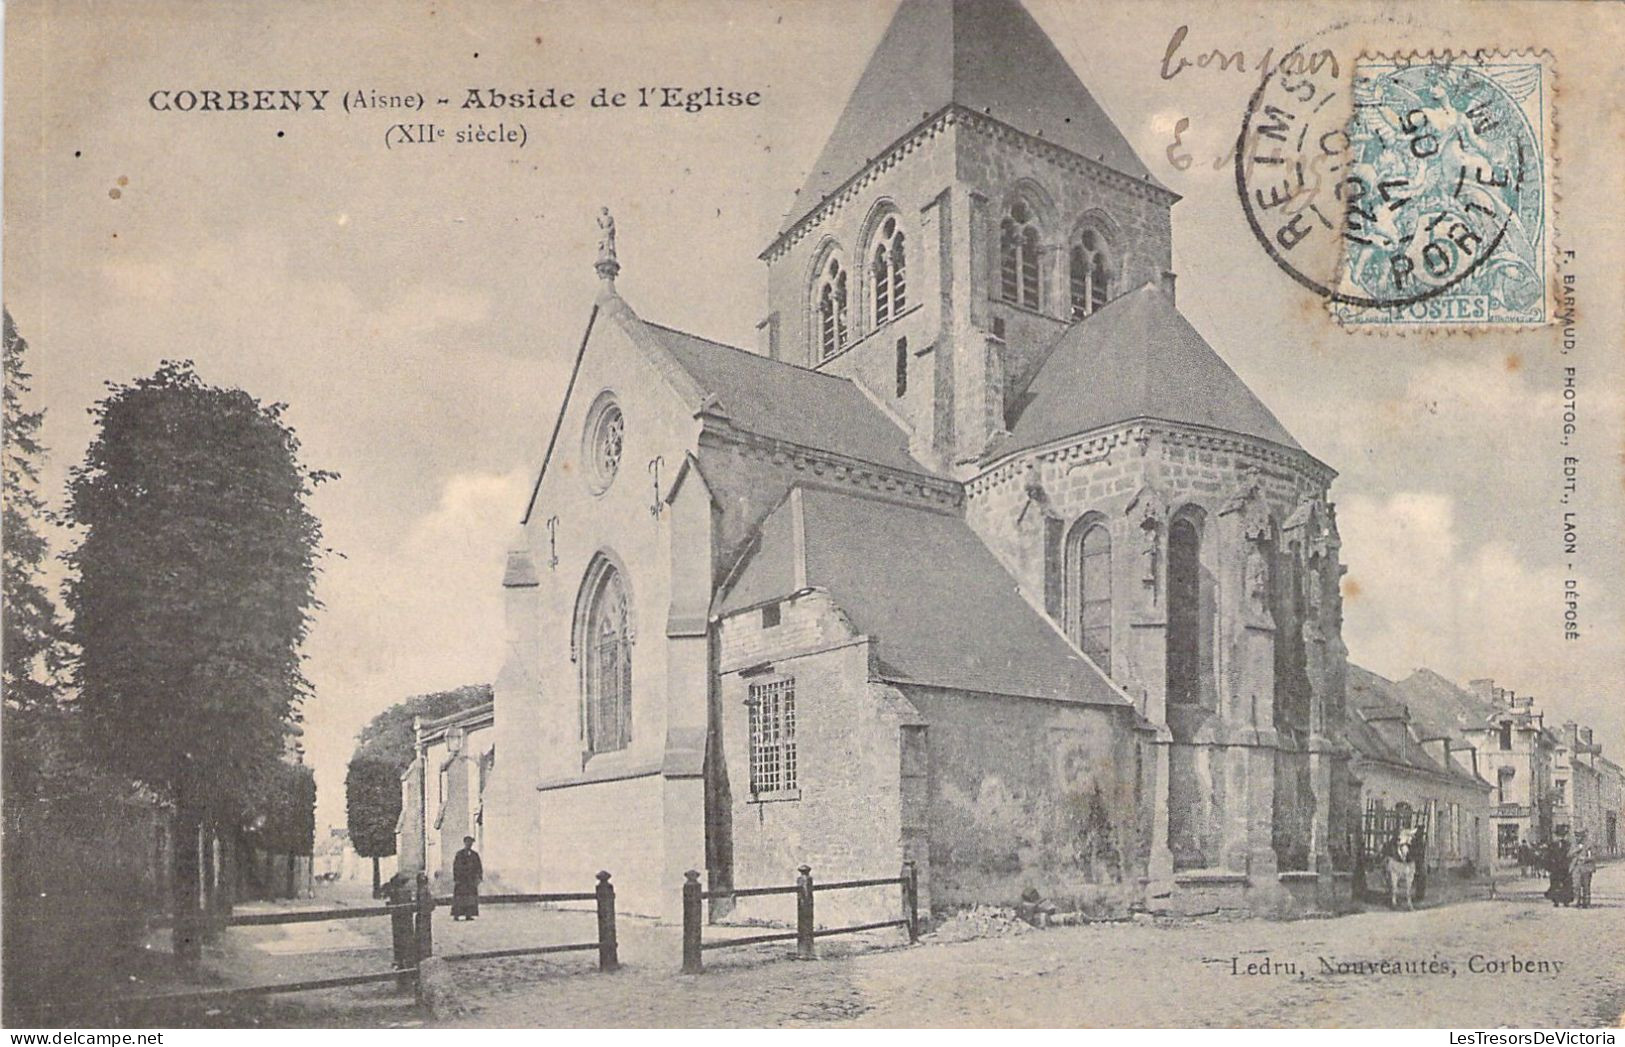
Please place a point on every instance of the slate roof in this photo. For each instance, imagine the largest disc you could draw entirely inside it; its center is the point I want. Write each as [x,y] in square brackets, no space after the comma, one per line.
[943,610]
[1136,357]
[1439,708]
[986,55]
[1371,697]
[779,400]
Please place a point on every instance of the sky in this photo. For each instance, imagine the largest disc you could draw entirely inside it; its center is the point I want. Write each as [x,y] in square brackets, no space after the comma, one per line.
[417,306]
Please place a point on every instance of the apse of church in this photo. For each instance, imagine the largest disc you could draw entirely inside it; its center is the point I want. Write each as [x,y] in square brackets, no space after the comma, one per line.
[986,562]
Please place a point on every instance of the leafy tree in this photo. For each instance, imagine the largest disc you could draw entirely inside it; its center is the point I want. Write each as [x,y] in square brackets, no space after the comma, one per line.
[372,795]
[194,588]
[384,750]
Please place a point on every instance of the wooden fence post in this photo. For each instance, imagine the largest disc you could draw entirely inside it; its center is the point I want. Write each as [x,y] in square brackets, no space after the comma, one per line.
[691,922]
[608,952]
[911,900]
[804,914]
[425,921]
[403,938]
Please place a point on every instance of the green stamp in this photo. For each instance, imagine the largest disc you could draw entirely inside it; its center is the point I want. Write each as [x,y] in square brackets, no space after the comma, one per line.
[1408,192]
[1445,195]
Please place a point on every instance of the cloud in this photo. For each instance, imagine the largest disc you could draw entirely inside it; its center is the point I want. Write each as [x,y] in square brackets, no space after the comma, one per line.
[1418,593]
[407,617]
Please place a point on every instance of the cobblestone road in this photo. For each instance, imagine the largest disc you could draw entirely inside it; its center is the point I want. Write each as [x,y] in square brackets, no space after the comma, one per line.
[1145,974]
[1512,961]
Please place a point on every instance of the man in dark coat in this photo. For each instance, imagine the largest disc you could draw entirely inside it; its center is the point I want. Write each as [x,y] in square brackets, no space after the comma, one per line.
[466,873]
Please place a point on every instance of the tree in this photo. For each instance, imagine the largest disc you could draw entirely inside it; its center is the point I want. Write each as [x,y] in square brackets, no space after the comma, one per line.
[193,590]
[372,797]
[384,750]
[31,633]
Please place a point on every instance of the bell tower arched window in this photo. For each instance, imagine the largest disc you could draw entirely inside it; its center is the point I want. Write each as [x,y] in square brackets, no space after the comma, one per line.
[1018,257]
[1090,281]
[1089,586]
[605,653]
[831,310]
[886,271]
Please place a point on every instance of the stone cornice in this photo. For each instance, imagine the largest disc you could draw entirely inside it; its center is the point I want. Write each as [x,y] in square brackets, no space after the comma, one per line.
[1138,432]
[837,469]
[1063,157]
[935,124]
[911,140]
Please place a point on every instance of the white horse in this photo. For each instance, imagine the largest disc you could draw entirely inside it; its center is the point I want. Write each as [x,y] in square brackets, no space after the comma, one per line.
[1401,867]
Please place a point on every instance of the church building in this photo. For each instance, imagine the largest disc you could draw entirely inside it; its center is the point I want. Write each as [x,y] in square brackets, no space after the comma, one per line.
[985,561]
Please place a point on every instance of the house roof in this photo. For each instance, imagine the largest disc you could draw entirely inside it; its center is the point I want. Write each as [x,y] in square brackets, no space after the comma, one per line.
[779,400]
[1375,698]
[988,56]
[1136,357]
[943,610]
[1439,708]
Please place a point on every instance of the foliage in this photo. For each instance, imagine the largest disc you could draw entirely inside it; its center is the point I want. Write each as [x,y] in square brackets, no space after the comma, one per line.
[31,633]
[194,587]
[383,751]
[285,820]
[372,795]
[388,736]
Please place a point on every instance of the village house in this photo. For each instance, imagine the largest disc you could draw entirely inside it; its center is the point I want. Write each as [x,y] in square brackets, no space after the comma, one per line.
[1413,770]
[1517,752]
[443,790]
[986,561]
[1577,784]
[1611,790]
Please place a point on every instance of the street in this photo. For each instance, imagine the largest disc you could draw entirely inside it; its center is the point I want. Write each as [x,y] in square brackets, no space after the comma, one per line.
[1148,974]
[1513,960]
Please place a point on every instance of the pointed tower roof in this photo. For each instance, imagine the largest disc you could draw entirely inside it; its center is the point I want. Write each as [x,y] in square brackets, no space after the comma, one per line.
[989,56]
[1138,357]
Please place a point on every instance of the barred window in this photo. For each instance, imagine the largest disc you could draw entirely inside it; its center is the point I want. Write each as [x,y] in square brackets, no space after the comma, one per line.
[772,737]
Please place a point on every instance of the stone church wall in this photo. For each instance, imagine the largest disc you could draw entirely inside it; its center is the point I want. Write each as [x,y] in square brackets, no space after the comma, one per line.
[844,818]
[613,825]
[1031,793]
[1064,191]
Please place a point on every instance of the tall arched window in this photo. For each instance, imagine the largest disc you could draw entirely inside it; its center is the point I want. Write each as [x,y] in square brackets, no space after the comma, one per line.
[1089,556]
[605,650]
[1190,616]
[1090,279]
[1018,257]
[886,271]
[831,309]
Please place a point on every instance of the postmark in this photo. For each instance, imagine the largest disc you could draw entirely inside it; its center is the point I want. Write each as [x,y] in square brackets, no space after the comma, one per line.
[1415,192]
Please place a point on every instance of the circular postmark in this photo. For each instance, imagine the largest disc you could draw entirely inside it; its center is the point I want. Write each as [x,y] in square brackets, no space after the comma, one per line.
[1389,183]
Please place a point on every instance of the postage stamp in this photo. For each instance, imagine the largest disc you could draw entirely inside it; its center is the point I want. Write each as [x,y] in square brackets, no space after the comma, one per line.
[1429,173]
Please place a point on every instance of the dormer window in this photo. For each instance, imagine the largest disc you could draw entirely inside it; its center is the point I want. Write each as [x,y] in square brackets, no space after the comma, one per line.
[887,264]
[831,310]
[1090,279]
[1018,257]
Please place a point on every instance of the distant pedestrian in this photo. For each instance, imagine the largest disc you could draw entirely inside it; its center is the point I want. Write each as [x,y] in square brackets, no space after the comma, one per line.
[1526,859]
[1560,888]
[1581,865]
[466,874]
